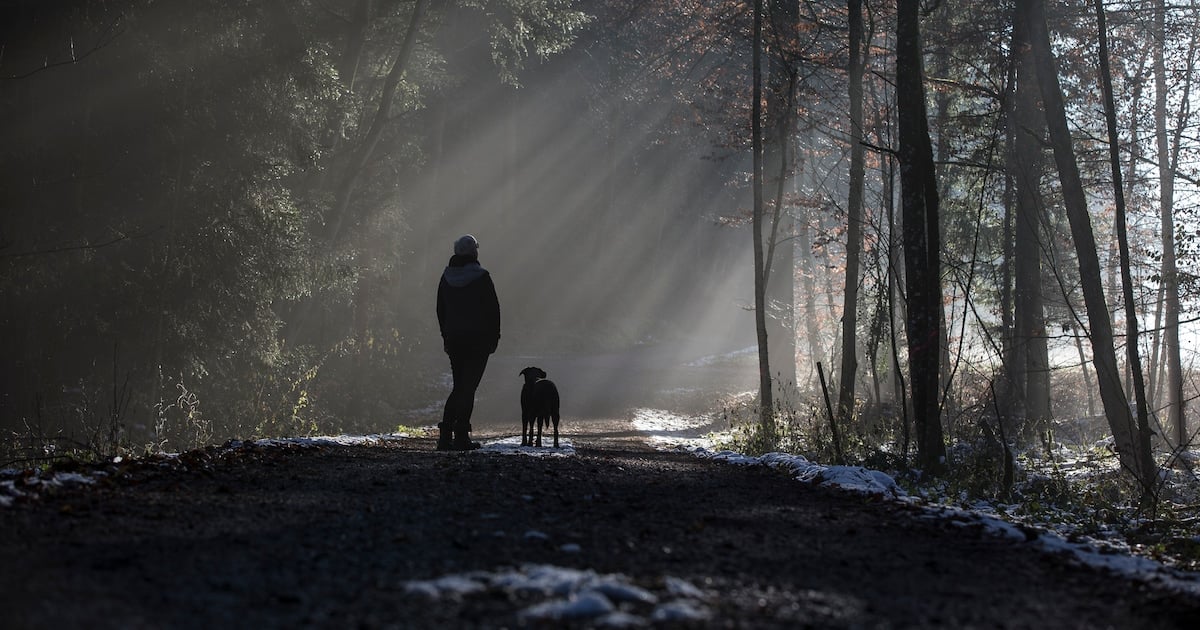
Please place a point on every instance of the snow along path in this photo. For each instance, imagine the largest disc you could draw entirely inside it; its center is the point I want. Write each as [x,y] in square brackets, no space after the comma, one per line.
[390,533]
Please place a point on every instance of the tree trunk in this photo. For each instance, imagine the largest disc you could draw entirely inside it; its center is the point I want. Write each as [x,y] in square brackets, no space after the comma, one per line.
[1028,362]
[1170,275]
[854,212]
[1131,327]
[781,252]
[941,151]
[780,264]
[1136,459]
[1130,179]
[366,149]
[808,288]
[765,400]
[922,240]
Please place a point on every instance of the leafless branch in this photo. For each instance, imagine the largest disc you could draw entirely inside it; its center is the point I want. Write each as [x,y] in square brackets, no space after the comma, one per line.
[71,248]
[106,37]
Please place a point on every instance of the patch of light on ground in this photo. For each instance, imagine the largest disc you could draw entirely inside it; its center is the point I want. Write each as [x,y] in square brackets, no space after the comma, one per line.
[712,359]
[512,446]
[666,429]
[659,420]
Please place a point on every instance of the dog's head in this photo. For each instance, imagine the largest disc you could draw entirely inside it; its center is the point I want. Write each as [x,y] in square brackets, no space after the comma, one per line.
[532,374]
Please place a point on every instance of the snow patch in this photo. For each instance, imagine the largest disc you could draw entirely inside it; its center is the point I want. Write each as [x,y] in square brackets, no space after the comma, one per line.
[374,439]
[574,595]
[29,486]
[585,605]
[31,483]
[683,588]
[452,586]
[681,610]
[852,478]
[512,446]
[1087,551]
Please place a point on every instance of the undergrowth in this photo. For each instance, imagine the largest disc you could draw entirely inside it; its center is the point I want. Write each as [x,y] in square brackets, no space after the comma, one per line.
[1076,489]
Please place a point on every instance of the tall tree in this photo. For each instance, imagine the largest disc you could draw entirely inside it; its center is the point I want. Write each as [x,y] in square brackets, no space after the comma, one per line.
[1132,346]
[1167,160]
[922,239]
[1134,451]
[1027,361]
[765,399]
[854,216]
[778,164]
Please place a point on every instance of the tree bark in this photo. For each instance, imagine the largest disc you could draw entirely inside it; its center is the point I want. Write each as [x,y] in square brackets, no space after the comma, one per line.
[922,240]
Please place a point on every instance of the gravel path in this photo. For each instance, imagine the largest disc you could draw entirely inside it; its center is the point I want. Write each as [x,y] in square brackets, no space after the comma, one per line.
[351,536]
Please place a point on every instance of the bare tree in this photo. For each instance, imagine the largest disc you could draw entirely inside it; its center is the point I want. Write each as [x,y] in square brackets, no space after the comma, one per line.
[1132,444]
[1114,152]
[1167,161]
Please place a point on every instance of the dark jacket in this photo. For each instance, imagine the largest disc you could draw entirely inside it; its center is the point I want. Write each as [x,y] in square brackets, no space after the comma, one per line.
[467,308]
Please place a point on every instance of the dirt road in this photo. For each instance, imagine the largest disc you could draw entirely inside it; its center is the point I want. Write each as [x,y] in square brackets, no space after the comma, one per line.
[344,537]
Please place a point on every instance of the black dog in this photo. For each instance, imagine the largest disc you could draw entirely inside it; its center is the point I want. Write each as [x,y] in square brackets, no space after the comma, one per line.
[539,403]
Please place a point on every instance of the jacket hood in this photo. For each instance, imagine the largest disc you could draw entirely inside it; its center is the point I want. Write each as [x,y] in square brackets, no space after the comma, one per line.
[464,274]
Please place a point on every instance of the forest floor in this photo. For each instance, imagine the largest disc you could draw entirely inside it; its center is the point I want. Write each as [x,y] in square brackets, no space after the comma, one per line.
[395,534]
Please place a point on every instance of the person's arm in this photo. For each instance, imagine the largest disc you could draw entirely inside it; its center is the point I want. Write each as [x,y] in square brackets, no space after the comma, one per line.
[441,307]
[492,311]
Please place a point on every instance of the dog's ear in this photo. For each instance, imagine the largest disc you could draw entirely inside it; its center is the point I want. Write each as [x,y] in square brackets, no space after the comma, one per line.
[541,373]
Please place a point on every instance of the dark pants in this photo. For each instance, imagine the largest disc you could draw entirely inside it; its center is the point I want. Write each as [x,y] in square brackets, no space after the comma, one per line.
[467,369]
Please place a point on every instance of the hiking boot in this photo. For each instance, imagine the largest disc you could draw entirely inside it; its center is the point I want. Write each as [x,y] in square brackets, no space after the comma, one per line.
[462,442]
[462,439]
[445,438]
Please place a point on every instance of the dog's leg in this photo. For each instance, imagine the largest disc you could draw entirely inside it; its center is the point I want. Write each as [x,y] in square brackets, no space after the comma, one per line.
[554,415]
[540,420]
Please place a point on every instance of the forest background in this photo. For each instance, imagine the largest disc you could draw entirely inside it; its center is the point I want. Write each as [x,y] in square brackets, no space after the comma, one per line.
[227,219]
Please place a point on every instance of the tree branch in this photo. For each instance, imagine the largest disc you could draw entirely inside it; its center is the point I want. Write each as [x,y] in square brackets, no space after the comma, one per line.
[72,248]
[107,37]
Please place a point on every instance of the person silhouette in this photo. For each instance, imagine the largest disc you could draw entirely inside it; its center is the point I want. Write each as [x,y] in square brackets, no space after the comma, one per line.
[469,318]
